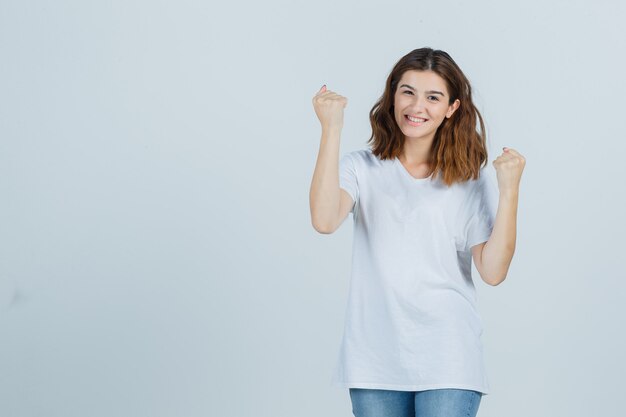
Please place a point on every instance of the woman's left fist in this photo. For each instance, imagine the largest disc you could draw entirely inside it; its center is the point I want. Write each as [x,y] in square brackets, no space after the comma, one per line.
[509,167]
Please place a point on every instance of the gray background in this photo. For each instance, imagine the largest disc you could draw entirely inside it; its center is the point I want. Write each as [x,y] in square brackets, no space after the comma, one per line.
[156,251]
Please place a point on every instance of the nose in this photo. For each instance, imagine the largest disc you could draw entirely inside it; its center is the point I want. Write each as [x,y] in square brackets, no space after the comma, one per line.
[418,103]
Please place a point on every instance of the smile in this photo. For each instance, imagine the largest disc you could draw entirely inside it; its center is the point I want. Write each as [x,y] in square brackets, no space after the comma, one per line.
[415,121]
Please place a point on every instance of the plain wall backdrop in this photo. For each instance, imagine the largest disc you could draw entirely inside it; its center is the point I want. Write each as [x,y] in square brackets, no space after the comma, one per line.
[157,256]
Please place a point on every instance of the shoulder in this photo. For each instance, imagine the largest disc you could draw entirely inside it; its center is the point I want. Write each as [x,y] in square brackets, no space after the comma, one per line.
[361,158]
[485,179]
[473,191]
[364,157]
[360,154]
[484,190]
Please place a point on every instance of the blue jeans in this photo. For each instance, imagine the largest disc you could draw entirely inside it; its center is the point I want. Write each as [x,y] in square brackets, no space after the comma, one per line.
[430,403]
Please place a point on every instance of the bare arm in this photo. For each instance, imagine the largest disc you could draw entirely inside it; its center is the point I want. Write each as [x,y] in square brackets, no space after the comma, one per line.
[493,258]
[329,204]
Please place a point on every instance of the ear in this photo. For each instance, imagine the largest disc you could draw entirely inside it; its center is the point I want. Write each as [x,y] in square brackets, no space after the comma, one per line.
[452,108]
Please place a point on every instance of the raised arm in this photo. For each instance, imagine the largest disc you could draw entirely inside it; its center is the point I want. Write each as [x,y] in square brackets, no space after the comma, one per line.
[493,258]
[329,204]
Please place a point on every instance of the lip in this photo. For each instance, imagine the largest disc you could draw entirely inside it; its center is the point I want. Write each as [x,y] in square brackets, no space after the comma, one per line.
[413,123]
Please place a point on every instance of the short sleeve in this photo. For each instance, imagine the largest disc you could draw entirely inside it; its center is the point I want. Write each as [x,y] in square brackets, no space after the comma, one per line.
[348,178]
[480,210]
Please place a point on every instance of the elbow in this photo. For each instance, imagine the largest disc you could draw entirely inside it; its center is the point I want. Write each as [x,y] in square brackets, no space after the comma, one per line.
[321,221]
[494,275]
[493,278]
[324,224]
[494,282]
[323,228]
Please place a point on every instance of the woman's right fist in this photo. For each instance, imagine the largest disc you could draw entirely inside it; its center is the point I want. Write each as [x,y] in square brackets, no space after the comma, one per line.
[329,107]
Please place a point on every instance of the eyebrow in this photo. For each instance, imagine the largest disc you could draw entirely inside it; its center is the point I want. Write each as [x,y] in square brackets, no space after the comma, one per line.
[427,92]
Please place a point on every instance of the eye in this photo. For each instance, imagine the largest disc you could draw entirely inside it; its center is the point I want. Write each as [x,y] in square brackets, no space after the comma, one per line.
[435,97]
[407,91]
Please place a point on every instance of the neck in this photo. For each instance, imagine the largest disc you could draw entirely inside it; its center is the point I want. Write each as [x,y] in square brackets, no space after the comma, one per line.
[416,151]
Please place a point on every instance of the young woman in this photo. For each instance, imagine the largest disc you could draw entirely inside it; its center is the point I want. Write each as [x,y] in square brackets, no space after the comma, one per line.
[423,207]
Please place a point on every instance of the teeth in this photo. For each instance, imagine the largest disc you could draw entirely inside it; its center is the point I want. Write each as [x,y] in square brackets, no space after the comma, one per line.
[416,120]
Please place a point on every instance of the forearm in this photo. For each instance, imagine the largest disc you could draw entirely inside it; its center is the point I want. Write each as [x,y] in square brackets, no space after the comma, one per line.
[324,195]
[499,249]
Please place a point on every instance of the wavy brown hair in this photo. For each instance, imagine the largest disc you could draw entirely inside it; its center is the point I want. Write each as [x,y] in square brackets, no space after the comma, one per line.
[458,150]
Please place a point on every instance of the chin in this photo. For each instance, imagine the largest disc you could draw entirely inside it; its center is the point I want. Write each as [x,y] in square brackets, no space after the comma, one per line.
[421,135]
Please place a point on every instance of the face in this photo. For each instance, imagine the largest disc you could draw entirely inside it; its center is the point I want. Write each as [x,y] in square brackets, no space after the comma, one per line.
[422,95]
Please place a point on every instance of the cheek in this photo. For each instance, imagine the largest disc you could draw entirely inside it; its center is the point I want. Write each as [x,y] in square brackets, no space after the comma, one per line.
[397,107]
[441,111]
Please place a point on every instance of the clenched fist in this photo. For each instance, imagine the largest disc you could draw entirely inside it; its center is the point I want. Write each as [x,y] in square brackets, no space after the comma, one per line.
[509,167]
[329,107]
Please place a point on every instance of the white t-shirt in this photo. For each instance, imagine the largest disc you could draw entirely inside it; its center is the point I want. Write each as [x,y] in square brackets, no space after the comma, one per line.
[411,321]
